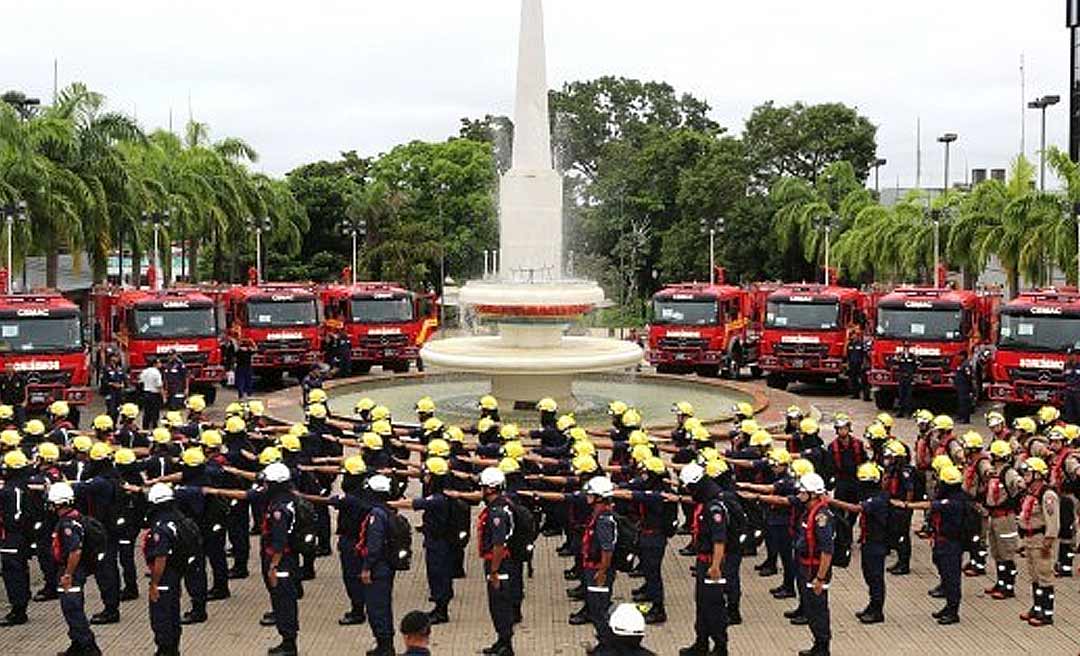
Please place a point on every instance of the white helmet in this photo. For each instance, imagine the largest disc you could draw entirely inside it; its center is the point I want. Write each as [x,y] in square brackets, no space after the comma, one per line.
[277,472]
[379,483]
[691,473]
[600,486]
[61,494]
[627,620]
[492,477]
[159,493]
[812,483]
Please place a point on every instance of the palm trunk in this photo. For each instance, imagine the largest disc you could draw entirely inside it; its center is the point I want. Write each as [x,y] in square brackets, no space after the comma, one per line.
[193,260]
[136,262]
[52,267]
[219,262]
[1013,282]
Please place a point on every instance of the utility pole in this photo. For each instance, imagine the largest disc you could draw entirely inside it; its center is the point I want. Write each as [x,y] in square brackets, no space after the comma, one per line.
[1041,104]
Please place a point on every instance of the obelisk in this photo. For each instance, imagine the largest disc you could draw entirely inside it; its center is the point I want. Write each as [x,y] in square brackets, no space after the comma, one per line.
[530,196]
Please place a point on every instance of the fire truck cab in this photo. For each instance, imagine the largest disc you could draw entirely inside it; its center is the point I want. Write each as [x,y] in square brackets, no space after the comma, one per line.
[707,328]
[1038,332]
[941,328]
[808,329]
[385,323]
[142,324]
[41,345]
[282,322]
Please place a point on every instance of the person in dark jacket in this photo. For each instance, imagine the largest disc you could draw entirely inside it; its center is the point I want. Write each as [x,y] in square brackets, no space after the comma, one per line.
[376,572]
[416,632]
[68,540]
[159,546]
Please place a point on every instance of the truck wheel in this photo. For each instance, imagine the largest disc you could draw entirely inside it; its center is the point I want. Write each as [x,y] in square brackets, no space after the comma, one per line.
[420,364]
[665,369]
[400,367]
[776,381]
[360,368]
[884,399]
[755,371]
[708,370]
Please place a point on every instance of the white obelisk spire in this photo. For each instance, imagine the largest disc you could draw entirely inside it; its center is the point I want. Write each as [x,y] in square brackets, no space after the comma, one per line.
[530,201]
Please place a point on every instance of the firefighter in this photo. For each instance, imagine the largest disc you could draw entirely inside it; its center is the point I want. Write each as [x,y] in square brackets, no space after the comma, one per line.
[61,428]
[130,519]
[628,632]
[1040,522]
[161,541]
[16,535]
[113,382]
[1004,488]
[966,394]
[597,552]
[906,363]
[873,512]
[814,550]
[68,541]
[856,364]
[489,407]
[813,448]
[98,497]
[898,479]
[375,571]
[1071,393]
[845,455]
[710,539]
[279,564]
[240,454]
[654,537]
[128,435]
[977,468]
[494,527]
[175,381]
[48,472]
[1064,460]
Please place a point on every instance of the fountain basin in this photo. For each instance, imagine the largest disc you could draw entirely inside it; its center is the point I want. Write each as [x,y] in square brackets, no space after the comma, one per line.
[544,302]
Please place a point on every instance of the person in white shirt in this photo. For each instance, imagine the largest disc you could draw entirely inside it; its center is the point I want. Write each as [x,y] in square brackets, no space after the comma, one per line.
[153,394]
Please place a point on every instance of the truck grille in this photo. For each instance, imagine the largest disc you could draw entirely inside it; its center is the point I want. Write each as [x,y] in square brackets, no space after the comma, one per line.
[925,362]
[1037,375]
[47,378]
[682,343]
[384,341]
[802,349]
[283,345]
[194,358]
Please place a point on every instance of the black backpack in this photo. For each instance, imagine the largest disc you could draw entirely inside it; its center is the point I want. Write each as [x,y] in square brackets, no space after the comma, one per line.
[738,523]
[971,525]
[302,534]
[525,532]
[842,539]
[627,534]
[669,519]
[95,542]
[188,545]
[399,543]
[458,523]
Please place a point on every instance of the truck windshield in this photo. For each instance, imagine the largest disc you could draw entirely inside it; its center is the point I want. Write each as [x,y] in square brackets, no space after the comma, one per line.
[174,322]
[34,335]
[382,310]
[802,316]
[685,313]
[1042,333]
[282,313]
[920,325]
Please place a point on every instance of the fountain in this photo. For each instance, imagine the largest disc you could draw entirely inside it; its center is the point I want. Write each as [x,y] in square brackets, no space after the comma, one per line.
[529,300]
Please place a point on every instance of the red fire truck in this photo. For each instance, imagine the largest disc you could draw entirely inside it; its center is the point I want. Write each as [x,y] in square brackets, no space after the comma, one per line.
[140,324]
[280,319]
[707,328]
[41,343]
[941,327]
[1037,331]
[386,324]
[807,332]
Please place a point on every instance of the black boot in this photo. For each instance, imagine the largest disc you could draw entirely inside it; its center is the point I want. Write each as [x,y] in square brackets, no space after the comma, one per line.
[46,594]
[107,616]
[734,617]
[129,593]
[286,648]
[383,647]
[194,616]
[577,594]
[699,648]
[688,550]
[656,614]
[217,594]
[16,617]
[238,573]
[353,617]
[872,616]
[440,614]
[268,619]
[580,617]
[571,574]
[1064,567]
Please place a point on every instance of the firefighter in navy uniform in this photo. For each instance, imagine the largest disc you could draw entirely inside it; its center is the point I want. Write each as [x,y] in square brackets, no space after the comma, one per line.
[376,573]
[906,364]
[873,511]
[710,538]
[597,552]
[898,479]
[654,537]
[1071,407]
[240,454]
[159,544]
[16,536]
[494,526]
[279,564]
[48,472]
[856,364]
[130,520]
[813,551]
[964,384]
[128,435]
[175,379]
[67,550]
[98,495]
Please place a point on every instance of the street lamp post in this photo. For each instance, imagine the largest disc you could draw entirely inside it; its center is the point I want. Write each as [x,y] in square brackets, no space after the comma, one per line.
[711,228]
[826,224]
[947,139]
[259,225]
[878,163]
[935,217]
[158,219]
[13,212]
[357,230]
[1041,104]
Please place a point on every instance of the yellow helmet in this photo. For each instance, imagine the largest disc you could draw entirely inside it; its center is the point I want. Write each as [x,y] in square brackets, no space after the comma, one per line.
[59,409]
[631,418]
[841,419]
[15,459]
[6,411]
[1048,414]
[100,451]
[34,427]
[547,405]
[426,405]
[654,465]
[10,438]
[715,467]
[210,439]
[48,451]
[298,430]
[317,411]
[488,402]
[365,404]
[584,464]
[193,457]
[895,448]
[876,431]
[161,435]
[124,456]
[1000,449]
[639,437]
[235,425]
[701,434]
[578,434]
[82,443]
[513,449]
[794,412]
[256,408]
[437,447]
[1056,433]
[939,462]
[683,408]
[1037,465]
[706,454]
[886,420]
[437,466]
[290,442]
[743,409]
[129,411]
[924,416]
[382,428]
[691,423]
[779,456]
[509,465]
[195,403]
[432,425]
[950,475]
[509,432]
[641,453]
[584,448]
[372,441]
[943,423]
[748,427]
[566,422]
[1072,432]
[455,434]
[809,426]
[617,408]
[269,455]
[234,409]
[994,418]
[316,395]
[761,438]
[801,467]
[174,419]
[972,440]
[484,425]
[868,472]
[380,413]
[354,466]
[1025,425]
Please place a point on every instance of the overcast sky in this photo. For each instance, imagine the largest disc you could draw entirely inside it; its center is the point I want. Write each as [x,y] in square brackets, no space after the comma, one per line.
[305,80]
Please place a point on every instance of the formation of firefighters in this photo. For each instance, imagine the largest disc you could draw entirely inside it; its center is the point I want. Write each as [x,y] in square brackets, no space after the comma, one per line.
[178,501]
